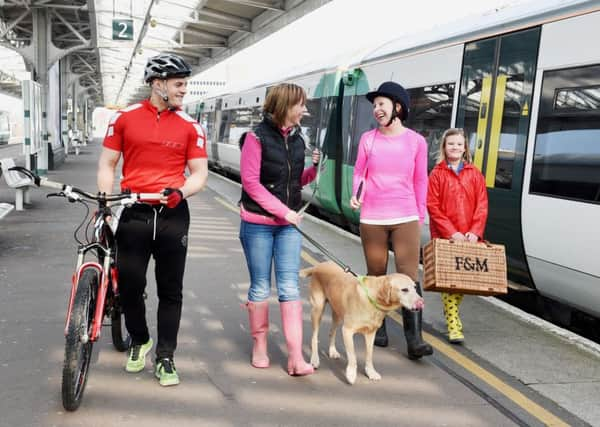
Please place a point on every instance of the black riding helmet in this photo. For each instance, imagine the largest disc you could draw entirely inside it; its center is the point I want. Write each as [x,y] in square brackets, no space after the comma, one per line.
[164,66]
[396,93]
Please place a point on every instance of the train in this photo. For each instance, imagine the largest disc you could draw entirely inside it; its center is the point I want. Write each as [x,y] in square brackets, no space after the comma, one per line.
[524,84]
[4,127]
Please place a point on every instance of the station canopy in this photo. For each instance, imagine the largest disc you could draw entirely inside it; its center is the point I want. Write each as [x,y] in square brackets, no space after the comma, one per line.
[69,30]
[111,40]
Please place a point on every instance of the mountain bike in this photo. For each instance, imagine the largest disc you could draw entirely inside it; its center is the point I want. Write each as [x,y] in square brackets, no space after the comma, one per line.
[94,285]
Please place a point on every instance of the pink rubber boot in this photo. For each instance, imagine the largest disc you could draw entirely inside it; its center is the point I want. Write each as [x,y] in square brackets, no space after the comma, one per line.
[258,315]
[291,320]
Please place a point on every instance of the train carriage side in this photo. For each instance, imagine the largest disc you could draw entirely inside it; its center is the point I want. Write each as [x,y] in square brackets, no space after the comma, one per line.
[561,197]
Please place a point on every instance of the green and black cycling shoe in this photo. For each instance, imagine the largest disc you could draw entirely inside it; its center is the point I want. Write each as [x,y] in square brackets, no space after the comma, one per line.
[166,372]
[136,362]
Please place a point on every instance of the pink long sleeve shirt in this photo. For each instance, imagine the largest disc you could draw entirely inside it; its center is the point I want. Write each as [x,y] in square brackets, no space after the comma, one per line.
[250,162]
[394,169]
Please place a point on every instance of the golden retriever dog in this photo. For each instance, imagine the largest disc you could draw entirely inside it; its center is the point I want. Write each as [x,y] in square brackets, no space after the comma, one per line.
[360,308]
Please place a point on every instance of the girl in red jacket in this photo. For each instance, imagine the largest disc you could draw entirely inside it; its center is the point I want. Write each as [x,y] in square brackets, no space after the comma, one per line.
[458,207]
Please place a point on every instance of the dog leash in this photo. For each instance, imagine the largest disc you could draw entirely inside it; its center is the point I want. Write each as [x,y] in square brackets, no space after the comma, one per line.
[325,252]
[347,269]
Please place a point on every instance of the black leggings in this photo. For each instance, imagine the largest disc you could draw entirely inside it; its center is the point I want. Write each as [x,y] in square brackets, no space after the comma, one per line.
[161,232]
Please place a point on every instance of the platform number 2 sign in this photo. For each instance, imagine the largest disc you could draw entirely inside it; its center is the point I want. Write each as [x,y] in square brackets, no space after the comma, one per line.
[122,29]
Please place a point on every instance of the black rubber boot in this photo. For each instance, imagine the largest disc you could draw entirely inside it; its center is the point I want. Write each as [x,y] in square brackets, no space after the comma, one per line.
[381,338]
[412,320]
[415,345]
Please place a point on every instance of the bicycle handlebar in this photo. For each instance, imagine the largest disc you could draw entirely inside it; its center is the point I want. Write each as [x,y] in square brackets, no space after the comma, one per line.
[74,193]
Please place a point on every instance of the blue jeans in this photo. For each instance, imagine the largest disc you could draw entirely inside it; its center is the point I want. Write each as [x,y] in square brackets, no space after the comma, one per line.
[264,244]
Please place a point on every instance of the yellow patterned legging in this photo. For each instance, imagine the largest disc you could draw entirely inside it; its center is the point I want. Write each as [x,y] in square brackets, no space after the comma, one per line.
[451,303]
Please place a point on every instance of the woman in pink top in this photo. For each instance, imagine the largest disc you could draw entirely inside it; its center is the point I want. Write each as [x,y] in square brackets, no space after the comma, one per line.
[390,188]
[273,174]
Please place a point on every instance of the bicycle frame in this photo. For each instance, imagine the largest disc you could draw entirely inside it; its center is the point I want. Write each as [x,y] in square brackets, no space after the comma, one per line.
[106,272]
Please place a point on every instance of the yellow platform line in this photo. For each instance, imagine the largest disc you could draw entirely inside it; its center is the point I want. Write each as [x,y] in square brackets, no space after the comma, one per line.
[492,380]
[486,376]
[228,205]
[308,258]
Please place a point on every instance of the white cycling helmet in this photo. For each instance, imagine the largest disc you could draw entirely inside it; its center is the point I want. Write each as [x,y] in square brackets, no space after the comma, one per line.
[164,66]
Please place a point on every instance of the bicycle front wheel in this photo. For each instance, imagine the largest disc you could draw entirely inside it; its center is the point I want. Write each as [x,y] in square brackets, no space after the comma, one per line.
[78,347]
[120,338]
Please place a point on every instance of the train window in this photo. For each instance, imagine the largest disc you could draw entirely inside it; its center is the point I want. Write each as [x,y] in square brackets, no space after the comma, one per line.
[431,114]
[566,160]
[207,121]
[328,128]
[577,99]
[257,115]
[514,81]
[310,122]
[4,127]
[473,103]
[235,122]
[494,103]
[225,125]
[347,125]
[364,121]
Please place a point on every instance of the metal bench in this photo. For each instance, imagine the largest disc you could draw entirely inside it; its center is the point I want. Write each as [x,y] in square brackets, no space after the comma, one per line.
[5,208]
[17,181]
[75,141]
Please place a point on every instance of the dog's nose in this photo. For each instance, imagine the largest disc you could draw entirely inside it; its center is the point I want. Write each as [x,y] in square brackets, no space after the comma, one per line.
[419,304]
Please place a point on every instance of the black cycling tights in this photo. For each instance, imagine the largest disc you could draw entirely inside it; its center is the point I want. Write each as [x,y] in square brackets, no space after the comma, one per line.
[161,232]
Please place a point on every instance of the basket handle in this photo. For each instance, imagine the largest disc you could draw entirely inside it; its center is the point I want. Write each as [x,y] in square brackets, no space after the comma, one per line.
[483,242]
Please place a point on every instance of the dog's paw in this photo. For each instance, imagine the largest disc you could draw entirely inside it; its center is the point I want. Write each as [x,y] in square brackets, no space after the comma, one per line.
[333,353]
[315,361]
[351,374]
[372,374]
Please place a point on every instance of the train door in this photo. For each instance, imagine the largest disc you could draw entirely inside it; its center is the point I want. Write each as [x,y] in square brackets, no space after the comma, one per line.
[493,108]
[213,128]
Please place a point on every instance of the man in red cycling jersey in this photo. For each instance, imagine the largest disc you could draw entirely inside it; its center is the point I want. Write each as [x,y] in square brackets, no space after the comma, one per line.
[157,141]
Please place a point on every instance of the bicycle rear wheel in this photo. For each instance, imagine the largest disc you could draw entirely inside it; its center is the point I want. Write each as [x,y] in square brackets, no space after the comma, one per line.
[78,348]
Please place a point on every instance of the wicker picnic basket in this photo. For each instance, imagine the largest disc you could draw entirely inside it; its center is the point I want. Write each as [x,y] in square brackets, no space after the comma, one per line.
[464,267]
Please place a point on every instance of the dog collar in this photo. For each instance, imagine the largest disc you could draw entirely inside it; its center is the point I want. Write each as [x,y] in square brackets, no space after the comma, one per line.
[361,281]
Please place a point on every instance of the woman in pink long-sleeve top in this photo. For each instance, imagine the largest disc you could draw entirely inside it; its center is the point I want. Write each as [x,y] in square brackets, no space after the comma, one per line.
[390,188]
[273,173]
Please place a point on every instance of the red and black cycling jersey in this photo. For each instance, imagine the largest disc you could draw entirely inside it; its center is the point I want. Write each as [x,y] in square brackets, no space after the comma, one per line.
[155,146]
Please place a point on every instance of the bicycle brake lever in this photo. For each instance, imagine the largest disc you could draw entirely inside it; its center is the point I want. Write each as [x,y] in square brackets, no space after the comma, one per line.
[61,194]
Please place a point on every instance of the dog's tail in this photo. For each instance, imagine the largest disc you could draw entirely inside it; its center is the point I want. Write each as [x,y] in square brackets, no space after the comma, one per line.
[306,272]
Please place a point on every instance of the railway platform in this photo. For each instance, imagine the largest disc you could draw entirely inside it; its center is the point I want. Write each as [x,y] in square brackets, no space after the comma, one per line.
[513,369]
